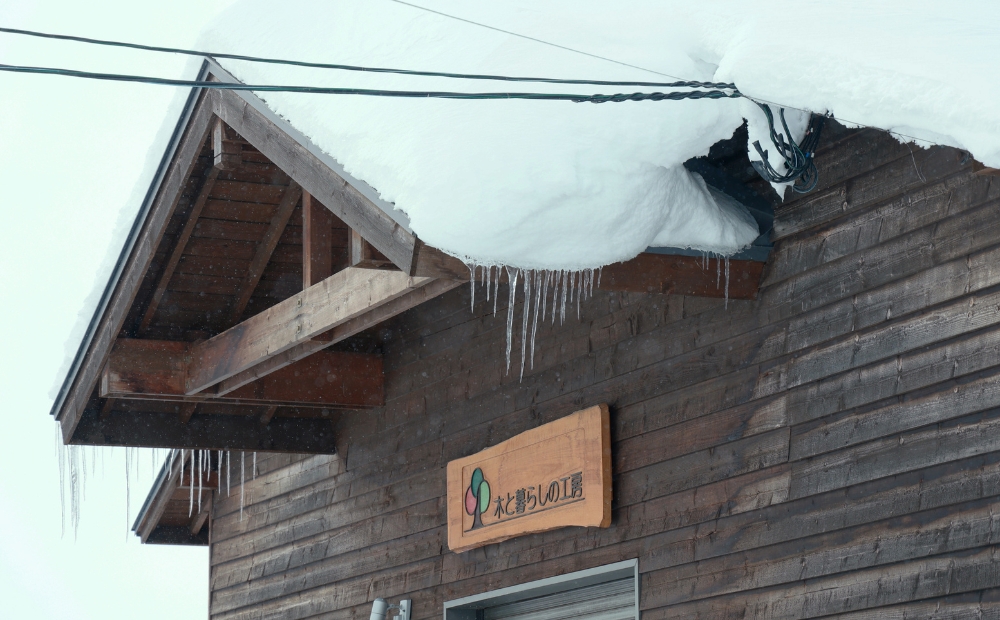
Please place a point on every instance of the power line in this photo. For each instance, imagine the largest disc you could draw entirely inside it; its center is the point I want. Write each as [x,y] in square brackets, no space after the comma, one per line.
[599,98]
[341,67]
[625,64]
[536,40]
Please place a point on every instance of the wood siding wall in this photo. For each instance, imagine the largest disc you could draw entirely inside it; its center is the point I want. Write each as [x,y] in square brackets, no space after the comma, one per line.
[830,448]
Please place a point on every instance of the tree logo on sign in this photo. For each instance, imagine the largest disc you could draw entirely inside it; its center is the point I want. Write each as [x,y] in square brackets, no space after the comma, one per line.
[477,498]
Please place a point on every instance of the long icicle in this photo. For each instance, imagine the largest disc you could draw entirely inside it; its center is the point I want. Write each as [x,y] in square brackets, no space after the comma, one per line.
[512,286]
[228,472]
[472,286]
[191,487]
[201,466]
[243,466]
[539,298]
[496,290]
[486,279]
[524,319]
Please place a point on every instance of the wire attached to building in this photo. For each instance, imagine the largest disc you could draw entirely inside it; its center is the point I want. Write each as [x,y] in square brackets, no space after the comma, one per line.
[798,158]
[599,98]
[341,67]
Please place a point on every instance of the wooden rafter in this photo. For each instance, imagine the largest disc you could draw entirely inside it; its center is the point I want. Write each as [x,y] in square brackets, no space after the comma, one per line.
[317,241]
[161,209]
[179,246]
[343,296]
[315,177]
[340,332]
[265,249]
[156,370]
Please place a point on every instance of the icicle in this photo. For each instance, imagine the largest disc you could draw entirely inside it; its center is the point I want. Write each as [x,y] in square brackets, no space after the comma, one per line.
[524,318]
[128,486]
[181,481]
[228,476]
[556,278]
[579,294]
[191,487]
[539,299]
[254,465]
[727,283]
[512,286]
[472,286]
[243,466]
[565,294]
[718,265]
[600,270]
[486,279]
[545,290]
[496,290]
[201,466]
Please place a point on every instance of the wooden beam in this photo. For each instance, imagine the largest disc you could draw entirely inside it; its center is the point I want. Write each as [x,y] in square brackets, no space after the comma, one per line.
[265,249]
[683,275]
[431,262]
[268,415]
[198,521]
[362,254]
[343,296]
[179,246]
[317,241]
[161,208]
[982,170]
[227,152]
[338,333]
[161,495]
[315,177]
[217,432]
[156,370]
[187,410]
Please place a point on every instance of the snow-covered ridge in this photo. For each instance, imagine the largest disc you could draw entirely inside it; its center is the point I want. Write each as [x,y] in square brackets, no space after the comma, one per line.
[542,185]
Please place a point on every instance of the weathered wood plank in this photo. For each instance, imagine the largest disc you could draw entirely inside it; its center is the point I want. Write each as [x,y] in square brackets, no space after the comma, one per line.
[853,591]
[179,245]
[157,370]
[949,441]
[343,296]
[315,177]
[136,265]
[262,256]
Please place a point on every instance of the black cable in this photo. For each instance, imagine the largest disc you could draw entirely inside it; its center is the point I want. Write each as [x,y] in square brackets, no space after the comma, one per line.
[321,65]
[116,77]
[800,168]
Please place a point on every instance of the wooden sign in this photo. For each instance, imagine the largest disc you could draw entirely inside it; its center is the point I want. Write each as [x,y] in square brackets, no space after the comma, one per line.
[552,476]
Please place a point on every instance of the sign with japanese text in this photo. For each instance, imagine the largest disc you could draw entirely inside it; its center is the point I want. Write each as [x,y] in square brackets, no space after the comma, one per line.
[556,475]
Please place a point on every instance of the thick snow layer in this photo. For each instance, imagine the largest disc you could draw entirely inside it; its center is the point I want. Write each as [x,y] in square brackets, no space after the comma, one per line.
[564,185]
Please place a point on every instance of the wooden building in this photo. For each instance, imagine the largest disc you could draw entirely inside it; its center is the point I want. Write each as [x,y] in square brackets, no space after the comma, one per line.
[826,442]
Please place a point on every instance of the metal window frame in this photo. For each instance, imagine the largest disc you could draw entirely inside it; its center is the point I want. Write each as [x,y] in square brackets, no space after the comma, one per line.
[471,607]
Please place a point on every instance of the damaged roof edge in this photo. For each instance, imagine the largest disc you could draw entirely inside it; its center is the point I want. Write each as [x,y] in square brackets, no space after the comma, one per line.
[130,240]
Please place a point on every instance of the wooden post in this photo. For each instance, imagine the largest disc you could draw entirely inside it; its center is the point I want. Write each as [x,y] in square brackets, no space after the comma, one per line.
[317,241]
[228,152]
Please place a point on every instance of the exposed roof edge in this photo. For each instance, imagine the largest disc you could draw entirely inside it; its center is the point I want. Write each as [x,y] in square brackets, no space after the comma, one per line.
[362,187]
[208,67]
[130,241]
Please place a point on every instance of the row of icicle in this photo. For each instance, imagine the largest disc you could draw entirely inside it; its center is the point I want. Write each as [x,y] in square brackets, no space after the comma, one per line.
[567,287]
[74,462]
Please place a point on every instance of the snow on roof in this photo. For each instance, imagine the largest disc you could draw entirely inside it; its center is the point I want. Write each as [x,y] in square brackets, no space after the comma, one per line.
[574,185]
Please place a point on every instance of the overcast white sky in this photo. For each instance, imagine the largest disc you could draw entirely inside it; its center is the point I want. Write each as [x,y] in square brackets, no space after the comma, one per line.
[72,153]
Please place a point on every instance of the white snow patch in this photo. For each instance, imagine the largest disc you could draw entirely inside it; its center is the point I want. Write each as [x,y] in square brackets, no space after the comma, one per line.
[569,186]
